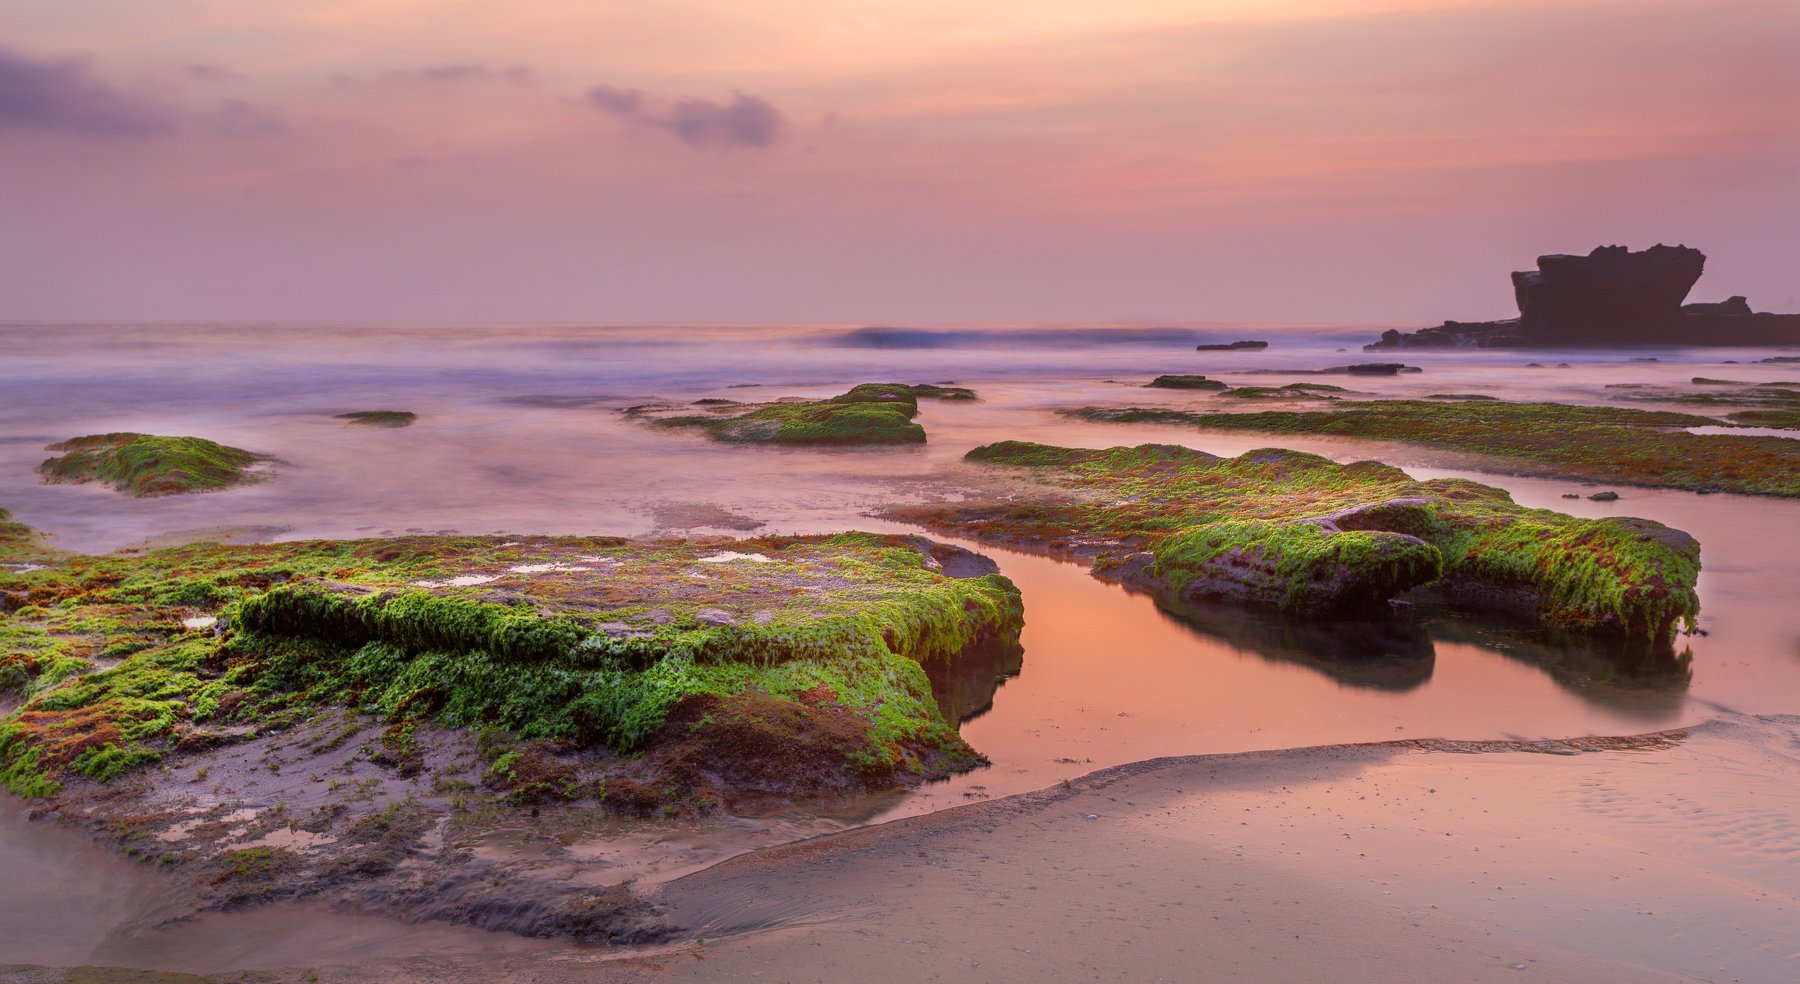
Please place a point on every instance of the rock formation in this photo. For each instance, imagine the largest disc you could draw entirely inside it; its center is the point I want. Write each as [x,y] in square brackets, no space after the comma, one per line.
[1612,296]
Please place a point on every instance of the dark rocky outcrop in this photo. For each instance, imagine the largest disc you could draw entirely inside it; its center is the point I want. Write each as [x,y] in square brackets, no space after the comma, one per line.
[1247,346]
[1611,296]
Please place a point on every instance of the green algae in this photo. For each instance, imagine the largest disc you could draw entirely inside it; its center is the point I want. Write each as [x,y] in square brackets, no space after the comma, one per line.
[380,418]
[1302,556]
[871,413]
[1186,382]
[149,465]
[1784,419]
[1600,444]
[1291,391]
[588,641]
[943,391]
[1171,518]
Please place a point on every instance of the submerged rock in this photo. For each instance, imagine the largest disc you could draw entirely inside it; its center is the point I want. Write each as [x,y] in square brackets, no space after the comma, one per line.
[1244,346]
[1587,443]
[1186,382]
[871,413]
[380,418]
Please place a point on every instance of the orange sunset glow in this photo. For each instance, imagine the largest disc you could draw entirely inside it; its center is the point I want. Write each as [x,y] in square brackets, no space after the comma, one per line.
[844,160]
[841,491]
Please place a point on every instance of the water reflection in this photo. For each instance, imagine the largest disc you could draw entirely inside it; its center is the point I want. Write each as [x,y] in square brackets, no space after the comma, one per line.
[1392,654]
[965,685]
[1629,674]
[1398,654]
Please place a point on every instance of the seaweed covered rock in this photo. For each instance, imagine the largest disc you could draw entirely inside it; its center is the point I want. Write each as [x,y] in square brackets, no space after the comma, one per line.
[1305,568]
[1298,533]
[379,418]
[1597,444]
[1186,382]
[1241,346]
[147,465]
[871,413]
[585,642]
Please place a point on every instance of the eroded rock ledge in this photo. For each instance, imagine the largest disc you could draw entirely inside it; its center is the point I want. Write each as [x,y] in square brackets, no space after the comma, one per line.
[1612,296]
[1299,534]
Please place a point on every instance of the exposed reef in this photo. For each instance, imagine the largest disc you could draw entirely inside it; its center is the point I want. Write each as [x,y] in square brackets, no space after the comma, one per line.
[872,413]
[1243,346]
[1291,391]
[1187,383]
[1599,444]
[147,465]
[305,720]
[592,642]
[1299,534]
[1359,369]
[380,418]
[1612,296]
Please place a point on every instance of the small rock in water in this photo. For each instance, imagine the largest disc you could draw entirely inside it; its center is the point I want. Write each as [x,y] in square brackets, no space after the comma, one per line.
[1571,495]
[1608,496]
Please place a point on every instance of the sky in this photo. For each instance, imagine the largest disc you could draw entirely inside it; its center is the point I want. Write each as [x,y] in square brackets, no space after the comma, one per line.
[864,161]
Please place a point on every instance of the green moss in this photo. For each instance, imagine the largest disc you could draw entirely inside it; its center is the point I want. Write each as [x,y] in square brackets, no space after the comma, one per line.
[1304,558]
[1279,521]
[1785,419]
[1292,391]
[577,639]
[380,418]
[872,413]
[1185,382]
[147,465]
[940,391]
[1600,444]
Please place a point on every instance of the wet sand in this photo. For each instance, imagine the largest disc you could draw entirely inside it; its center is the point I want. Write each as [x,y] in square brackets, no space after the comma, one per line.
[1593,860]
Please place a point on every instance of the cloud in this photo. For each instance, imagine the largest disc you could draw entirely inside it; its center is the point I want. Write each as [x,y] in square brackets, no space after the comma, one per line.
[624,102]
[746,120]
[213,73]
[237,118]
[456,73]
[61,95]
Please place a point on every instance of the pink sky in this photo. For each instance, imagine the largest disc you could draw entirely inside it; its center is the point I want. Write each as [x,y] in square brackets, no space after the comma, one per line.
[842,161]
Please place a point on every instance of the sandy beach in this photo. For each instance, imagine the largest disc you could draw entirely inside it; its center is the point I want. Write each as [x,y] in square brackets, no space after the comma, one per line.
[1627,859]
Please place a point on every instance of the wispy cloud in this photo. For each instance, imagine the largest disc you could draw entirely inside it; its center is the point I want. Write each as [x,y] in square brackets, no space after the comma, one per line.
[454,73]
[207,72]
[237,118]
[62,95]
[746,120]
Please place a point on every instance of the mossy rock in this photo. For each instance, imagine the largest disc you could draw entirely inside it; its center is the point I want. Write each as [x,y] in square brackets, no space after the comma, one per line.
[1614,445]
[1298,533]
[1186,382]
[1305,568]
[1783,419]
[872,413]
[942,391]
[1291,391]
[583,641]
[147,465]
[380,418]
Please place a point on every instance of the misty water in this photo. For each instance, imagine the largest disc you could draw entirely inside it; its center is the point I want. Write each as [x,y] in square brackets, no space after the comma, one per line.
[519,431]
